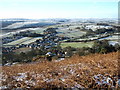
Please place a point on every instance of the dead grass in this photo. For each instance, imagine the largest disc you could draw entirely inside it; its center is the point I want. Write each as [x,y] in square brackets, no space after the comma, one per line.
[74,72]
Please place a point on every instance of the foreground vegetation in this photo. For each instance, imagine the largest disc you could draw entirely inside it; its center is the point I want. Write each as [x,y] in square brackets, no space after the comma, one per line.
[91,71]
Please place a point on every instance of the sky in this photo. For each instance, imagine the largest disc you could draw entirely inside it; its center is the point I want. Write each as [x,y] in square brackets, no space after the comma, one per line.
[38,9]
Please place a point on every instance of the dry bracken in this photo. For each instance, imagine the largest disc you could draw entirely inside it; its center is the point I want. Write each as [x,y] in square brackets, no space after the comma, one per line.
[92,71]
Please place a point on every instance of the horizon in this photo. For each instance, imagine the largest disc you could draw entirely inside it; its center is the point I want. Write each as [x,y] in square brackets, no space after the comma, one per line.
[55,18]
[50,9]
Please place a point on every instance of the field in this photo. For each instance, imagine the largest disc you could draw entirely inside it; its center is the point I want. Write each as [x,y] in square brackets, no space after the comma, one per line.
[114,37]
[19,41]
[92,71]
[31,40]
[77,44]
[25,40]
[22,50]
[38,30]
[70,31]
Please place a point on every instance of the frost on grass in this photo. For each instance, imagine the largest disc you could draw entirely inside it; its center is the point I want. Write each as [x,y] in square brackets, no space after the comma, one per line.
[92,71]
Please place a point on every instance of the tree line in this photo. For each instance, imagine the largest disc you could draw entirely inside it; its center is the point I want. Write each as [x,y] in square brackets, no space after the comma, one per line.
[102,47]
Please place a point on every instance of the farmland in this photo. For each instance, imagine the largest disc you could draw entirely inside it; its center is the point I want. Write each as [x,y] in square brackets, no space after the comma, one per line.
[19,41]
[77,44]
[114,38]
[70,32]
[70,29]
[31,40]
[22,50]
[75,33]
[25,40]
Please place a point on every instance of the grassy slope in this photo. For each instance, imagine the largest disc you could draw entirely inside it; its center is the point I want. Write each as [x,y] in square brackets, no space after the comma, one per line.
[77,44]
[19,41]
[69,69]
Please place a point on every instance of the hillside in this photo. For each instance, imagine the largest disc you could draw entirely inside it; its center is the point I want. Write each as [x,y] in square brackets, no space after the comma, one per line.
[92,71]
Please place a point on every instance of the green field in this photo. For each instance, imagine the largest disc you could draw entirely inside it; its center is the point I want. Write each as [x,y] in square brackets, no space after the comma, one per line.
[25,40]
[31,40]
[19,41]
[38,30]
[25,49]
[77,44]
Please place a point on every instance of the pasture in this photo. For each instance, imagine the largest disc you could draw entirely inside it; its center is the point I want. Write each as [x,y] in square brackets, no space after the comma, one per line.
[31,40]
[70,32]
[77,44]
[19,41]
[25,40]
[26,49]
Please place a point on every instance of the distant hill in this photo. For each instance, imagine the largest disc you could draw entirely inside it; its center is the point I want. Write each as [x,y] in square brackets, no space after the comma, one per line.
[7,23]
[14,25]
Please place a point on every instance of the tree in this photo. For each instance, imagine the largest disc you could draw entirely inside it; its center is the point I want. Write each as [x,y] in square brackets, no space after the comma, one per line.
[103,47]
[23,56]
[117,47]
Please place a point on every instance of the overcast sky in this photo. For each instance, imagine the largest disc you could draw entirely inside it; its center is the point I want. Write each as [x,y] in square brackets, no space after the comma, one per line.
[37,9]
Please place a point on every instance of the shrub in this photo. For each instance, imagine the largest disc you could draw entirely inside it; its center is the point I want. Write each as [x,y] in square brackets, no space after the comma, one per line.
[103,47]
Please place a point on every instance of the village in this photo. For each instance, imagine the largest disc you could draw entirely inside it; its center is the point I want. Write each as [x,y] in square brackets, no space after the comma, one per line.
[56,38]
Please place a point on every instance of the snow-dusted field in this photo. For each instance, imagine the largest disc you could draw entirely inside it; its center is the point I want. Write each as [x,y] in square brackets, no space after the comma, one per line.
[19,41]
[31,40]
